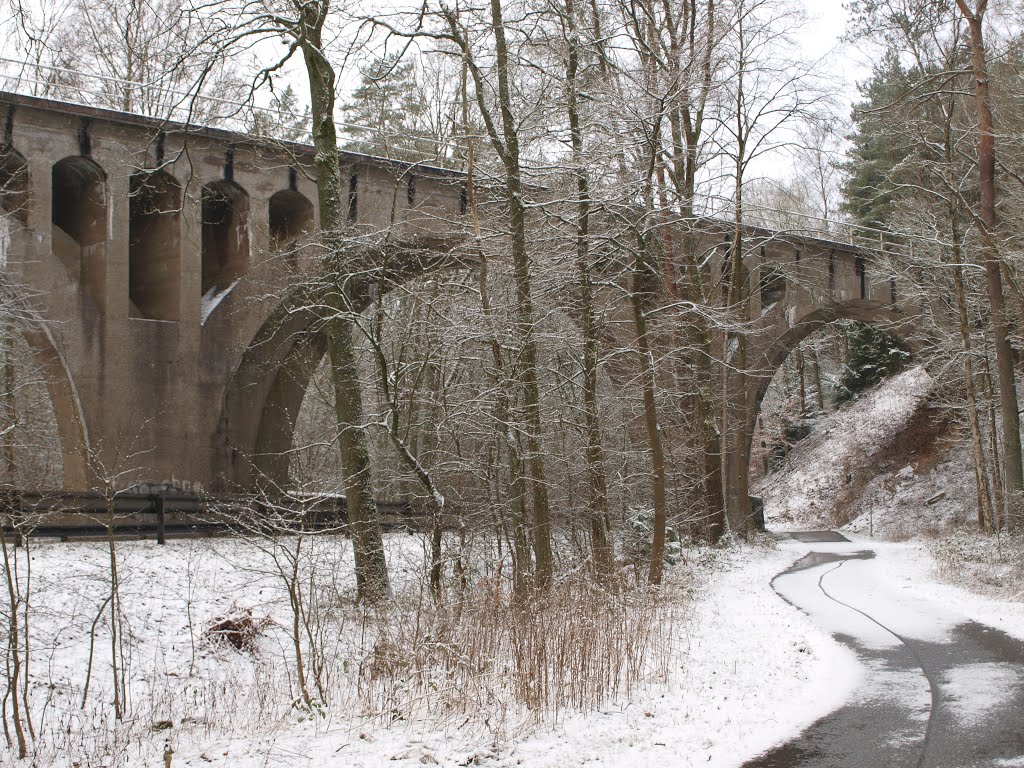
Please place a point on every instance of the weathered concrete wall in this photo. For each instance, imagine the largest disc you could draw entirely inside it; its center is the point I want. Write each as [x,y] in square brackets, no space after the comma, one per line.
[146,396]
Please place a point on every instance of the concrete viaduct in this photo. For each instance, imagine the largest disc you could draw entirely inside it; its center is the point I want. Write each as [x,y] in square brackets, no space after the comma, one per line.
[150,262]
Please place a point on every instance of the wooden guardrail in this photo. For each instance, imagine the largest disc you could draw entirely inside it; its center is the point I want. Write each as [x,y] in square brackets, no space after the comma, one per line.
[75,515]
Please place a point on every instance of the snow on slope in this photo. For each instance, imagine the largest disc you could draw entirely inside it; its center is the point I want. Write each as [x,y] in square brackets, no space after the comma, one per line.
[912,503]
[803,494]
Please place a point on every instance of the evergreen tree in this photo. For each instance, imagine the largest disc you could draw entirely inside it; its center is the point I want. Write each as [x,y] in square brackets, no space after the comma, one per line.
[385,114]
[880,149]
[874,355]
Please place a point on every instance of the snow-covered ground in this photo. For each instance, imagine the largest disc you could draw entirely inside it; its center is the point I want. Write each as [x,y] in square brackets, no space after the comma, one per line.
[751,672]
[742,670]
[731,669]
[897,468]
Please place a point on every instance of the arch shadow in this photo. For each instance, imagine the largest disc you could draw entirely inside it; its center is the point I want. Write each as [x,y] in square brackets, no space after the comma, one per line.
[262,400]
[894,321]
[290,217]
[154,245]
[79,218]
[225,235]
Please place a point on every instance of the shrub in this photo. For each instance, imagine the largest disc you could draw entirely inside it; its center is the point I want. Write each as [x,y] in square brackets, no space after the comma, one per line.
[874,355]
[638,538]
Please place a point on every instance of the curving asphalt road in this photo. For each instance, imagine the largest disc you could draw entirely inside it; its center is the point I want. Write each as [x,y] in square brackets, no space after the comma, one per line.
[937,691]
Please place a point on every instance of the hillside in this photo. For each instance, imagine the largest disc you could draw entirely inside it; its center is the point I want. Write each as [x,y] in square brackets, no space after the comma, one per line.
[890,463]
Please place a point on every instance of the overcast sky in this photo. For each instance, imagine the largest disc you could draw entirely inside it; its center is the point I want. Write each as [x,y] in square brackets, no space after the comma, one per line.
[820,38]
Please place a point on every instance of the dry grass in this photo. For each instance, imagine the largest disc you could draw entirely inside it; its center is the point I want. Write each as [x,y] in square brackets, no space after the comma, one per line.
[983,562]
[482,666]
[488,654]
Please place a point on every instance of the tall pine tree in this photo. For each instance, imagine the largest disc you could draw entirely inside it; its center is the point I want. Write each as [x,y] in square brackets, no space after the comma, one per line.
[385,116]
[880,149]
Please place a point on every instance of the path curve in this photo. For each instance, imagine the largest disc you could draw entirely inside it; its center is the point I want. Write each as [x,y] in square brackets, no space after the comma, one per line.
[938,690]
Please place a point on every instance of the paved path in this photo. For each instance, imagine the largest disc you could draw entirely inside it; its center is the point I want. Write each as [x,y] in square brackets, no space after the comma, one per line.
[937,692]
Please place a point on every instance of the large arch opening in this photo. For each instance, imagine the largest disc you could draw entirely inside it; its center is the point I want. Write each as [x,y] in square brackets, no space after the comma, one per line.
[443,389]
[154,246]
[225,248]
[808,374]
[31,449]
[291,217]
[801,391]
[43,436]
[79,216]
[283,408]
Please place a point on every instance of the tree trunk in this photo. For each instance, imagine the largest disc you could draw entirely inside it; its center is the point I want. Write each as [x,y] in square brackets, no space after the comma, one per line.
[8,407]
[524,304]
[372,580]
[816,372]
[998,489]
[801,380]
[686,123]
[506,435]
[981,477]
[1013,473]
[734,361]
[637,299]
[980,468]
[600,533]
[14,653]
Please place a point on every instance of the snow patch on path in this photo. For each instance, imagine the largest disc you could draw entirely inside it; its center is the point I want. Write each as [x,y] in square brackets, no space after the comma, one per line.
[975,691]
[912,566]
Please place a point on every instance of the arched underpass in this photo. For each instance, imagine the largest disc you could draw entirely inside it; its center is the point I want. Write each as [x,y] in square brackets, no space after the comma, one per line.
[833,365]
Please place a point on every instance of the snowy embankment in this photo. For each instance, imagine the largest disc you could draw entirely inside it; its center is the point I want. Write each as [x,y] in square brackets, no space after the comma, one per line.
[743,670]
[875,466]
[897,469]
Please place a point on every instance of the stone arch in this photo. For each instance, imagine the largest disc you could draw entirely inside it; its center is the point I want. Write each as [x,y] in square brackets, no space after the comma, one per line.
[225,246]
[154,246]
[275,440]
[251,398]
[788,327]
[72,431]
[78,207]
[291,217]
[262,400]
[775,353]
[13,184]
